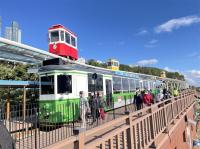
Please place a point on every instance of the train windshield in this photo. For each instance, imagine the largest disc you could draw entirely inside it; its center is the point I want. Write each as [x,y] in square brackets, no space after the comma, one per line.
[64,84]
[54,36]
[47,85]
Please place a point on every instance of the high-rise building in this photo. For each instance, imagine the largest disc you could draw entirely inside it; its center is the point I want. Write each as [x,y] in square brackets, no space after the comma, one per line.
[19,36]
[8,33]
[13,33]
[15,28]
[0,26]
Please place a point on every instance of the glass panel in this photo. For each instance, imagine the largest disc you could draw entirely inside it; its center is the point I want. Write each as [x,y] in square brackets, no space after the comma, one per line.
[132,84]
[67,38]
[109,63]
[62,35]
[47,85]
[64,84]
[137,83]
[125,84]
[54,36]
[145,84]
[73,41]
[117,84]
[99,83]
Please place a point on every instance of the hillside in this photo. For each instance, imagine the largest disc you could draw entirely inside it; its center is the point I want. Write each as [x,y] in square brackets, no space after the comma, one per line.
[138,69]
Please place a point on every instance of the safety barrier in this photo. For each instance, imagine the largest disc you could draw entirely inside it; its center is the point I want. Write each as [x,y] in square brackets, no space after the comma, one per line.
[135,130]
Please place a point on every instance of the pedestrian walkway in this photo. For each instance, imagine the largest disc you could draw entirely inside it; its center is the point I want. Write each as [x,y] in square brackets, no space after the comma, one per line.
[41,138]
[139,129]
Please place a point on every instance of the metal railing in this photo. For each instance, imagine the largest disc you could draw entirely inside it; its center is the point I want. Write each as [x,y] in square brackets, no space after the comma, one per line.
[135,130]
[29,127]
[141,127]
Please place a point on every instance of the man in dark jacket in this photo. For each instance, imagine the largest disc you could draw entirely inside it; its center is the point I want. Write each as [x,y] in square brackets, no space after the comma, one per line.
[138,101]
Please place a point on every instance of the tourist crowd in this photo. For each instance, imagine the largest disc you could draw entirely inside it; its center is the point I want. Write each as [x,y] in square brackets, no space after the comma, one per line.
[93,106]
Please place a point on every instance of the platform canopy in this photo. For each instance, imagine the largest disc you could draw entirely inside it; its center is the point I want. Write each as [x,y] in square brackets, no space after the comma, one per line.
[17,52]
[18,84]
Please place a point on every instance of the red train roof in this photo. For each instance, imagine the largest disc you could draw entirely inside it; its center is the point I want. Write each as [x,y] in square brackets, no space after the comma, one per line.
[61,26]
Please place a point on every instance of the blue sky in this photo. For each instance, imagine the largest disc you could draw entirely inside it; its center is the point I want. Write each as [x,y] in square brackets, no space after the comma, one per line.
[164,34]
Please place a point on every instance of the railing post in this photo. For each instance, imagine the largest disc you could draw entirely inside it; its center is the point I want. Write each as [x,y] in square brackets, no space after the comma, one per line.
[153,145]
[165,118]
[172,103]
[129,132]
[80,143]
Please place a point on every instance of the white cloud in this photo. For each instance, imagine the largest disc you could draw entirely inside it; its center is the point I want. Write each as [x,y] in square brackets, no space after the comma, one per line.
[147,62]
[172,24]
[170,69]
[151,43]
[142,32]
[193,77]
[195,73]
[190,80]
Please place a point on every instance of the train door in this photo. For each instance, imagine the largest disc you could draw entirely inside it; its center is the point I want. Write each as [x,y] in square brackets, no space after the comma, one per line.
[108,93]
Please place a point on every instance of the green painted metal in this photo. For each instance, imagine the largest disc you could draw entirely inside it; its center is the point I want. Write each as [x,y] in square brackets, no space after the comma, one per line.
[123,96]
[58,111]
[66,110]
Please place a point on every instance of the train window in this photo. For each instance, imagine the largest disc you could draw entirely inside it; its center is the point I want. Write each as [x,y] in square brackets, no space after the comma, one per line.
[47,85]
[64,84]
[115,63]
[137,83]
[117,86]
[125,84]
[67,38]
[132,84]
[145,84]
[73,41]
[98,85]
[109,64]
[54,36]
[62,35]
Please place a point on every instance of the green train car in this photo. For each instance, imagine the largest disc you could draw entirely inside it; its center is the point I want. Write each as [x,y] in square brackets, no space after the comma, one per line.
[60,86]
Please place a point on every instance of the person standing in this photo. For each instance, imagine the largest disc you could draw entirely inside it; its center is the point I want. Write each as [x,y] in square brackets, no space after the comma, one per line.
[95,108]
[101,106]
[175,92]
[138,101]
[84,107]
[146,99]
[159,96]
